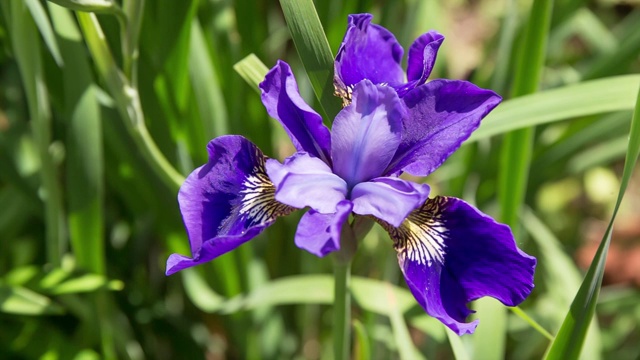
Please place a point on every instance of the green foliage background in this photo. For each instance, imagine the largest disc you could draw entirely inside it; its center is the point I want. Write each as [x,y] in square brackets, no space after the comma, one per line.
[103,113]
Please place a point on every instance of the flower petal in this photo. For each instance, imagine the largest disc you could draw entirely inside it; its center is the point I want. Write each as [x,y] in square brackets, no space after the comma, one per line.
[282,99]
[451,254]
[226,202]
[442,114]
[368,51]
[366,134]
[422,56]
[319,233]
[389,199]
[304,180]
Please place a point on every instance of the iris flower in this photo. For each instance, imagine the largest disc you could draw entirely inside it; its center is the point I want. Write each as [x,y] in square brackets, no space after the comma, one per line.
[450,253]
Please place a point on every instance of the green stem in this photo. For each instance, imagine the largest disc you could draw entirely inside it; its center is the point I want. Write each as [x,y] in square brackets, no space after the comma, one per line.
[342,310]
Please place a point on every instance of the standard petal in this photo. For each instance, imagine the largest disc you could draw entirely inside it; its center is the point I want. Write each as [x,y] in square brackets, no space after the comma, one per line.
[304,180]
[422,56]
[368,51]
[226,202]
[366,134]
[442,114]
[451,254]
[389,199]
[319,233]
[282,99]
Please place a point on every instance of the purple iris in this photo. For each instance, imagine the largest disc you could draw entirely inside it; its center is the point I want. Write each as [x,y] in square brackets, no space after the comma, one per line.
[450,253]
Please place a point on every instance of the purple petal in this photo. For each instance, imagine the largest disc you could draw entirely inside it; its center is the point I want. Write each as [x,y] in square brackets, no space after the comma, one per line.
[366,134]
[389,199]
[304,180]
[226,202]
[422,56]
[319,233]
[282,99]
[442,114]
[451,254]
[368,51]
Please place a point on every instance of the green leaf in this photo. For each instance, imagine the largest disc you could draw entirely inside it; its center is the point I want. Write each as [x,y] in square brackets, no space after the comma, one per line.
[459,351]
[252,70]
[206,86]
[86,283]
[314,51]
[22,301]
[582,99]
[42,21]
[85,164]
[570,338]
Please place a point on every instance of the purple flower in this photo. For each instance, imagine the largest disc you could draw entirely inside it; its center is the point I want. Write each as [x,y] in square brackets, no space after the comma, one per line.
[449,252]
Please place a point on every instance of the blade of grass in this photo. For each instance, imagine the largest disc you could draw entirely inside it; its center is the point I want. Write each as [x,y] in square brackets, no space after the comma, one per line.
[399,327]
[515,158]
[587,98]
[314,51]
[127,101]
[42,21]
[252,70]
[206,87]
[534,324]
[570,338]
[27,51]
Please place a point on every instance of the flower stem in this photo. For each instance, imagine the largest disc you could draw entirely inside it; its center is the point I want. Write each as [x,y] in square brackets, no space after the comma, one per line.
[342,310]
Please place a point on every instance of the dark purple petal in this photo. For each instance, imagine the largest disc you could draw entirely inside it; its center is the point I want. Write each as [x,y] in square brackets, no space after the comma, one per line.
[304,180]
[451,254]
[389,199]
[366,134]
[368,51]
[319,233]
[422,56]
[282,99]
[442,114]
[225,202]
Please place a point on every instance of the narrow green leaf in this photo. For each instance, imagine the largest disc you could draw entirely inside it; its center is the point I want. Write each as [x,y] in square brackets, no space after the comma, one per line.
[400,332]
[86,283]
[534,324]
[362,347]
[459,351]
[22,301]
[582,99]
[314,51]
[570,338]
[42,21]
[252,70]
[200,293]
[85,184]
[26,45]
[206,86]
[515,159]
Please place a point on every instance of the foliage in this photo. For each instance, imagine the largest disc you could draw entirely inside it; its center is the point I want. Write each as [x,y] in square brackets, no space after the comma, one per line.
[103,113]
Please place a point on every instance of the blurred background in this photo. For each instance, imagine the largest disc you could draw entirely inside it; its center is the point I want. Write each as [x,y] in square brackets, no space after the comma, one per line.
[88,219]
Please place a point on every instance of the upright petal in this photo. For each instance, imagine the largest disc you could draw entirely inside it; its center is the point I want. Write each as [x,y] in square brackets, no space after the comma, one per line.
[226,202]
[366,134]
[422,56]
[389,199]
[451,254]
[282,99]
[319,233]
[304,180]
[442,114]
[368,51]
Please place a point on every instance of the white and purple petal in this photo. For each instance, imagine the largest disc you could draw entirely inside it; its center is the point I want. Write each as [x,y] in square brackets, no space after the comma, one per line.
[366,134]
[283,102]
[319,233]
[441,115]
[225,202]
[388,198]
[304,180]
[368,51]
[451,254]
